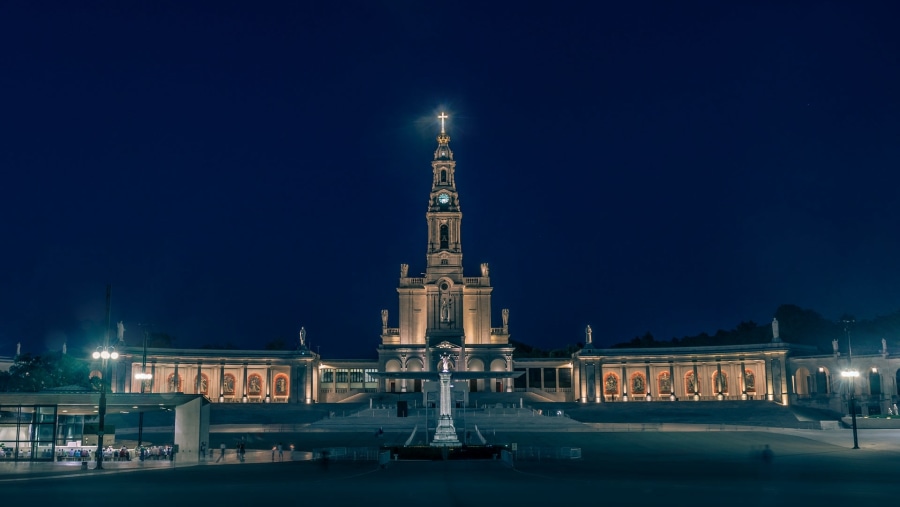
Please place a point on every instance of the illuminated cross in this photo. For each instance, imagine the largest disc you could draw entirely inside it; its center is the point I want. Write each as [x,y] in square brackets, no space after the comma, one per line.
[443,116]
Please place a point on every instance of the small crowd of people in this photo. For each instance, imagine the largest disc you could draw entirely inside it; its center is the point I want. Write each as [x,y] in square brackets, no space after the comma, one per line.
[156,452]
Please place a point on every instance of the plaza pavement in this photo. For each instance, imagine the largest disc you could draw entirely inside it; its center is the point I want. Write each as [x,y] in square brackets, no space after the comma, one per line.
[665,462]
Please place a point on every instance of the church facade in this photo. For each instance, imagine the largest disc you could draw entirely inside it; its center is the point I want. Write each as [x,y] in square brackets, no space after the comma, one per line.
[446,312]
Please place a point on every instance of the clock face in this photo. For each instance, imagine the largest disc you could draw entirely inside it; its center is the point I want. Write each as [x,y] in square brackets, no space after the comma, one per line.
[443,198]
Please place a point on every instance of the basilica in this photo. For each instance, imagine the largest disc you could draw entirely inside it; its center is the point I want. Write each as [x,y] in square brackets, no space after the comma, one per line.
[445,312]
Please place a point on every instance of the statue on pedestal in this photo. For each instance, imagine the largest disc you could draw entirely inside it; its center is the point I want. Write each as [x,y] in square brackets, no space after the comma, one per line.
[384,317]
[588,339]
[121,331]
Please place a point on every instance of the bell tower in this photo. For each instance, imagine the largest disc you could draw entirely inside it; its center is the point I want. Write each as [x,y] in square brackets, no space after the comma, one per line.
[444,254]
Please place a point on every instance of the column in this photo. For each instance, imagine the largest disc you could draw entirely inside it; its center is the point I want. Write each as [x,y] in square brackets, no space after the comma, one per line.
[719,378]
[696,379]
[598,382]
[624,384]
[244,387]
[153,375]
[743,380]
[583,376]
[785,383]
[198,382]
[175,388]
[769,381]
[222,382]
[673,396]
[129,375]
[268,381]
[649,396]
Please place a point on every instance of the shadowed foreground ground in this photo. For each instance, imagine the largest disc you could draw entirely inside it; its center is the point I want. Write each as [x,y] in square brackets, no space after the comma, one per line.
[687,468]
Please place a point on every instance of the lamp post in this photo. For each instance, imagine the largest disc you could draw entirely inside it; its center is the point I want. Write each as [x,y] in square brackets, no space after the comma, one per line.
[143,376]
[850,374]
[105,353]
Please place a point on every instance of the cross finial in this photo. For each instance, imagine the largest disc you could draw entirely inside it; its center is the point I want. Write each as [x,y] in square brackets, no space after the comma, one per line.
[443,116]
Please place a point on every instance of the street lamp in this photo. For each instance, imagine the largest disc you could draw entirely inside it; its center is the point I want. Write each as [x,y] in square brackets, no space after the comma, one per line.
[850,374]
[106,354]
[143,376]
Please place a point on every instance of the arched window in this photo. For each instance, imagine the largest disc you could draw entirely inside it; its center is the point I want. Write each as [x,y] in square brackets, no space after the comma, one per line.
[664,383]
[254,385]
[611,384]
[228,385]
[638,384]
[874,382]
[690,383]
[443,176]
[720,382]
[821,381]
[281,385]
[174,384]
[445,236]
[749,381]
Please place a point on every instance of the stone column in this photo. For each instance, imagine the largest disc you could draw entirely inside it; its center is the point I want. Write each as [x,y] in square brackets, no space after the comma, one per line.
[268,381]
[175,378]
[222,382]
[743,380]
[719,379]
[769,382]
[403,369]
[672,395]
[699,388]
[598,382]
[583,377]
[244,398]
[648,394]
[785,383]
[445,434]
[624,384]
[199,380]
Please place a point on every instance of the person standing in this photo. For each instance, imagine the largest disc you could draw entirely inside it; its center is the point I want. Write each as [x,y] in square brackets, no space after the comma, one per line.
[280,452]
[242,450]
[221,452]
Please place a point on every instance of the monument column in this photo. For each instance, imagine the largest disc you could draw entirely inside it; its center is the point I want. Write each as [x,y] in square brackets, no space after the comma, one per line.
[445,434]
[403,360]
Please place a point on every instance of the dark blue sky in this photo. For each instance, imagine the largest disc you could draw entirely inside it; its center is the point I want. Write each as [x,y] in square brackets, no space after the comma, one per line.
[238,169]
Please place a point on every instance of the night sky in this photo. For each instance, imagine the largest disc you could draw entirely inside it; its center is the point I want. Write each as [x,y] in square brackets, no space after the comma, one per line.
[236,170]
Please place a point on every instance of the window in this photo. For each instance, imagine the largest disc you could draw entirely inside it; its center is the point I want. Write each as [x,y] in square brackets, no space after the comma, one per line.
[445,237]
